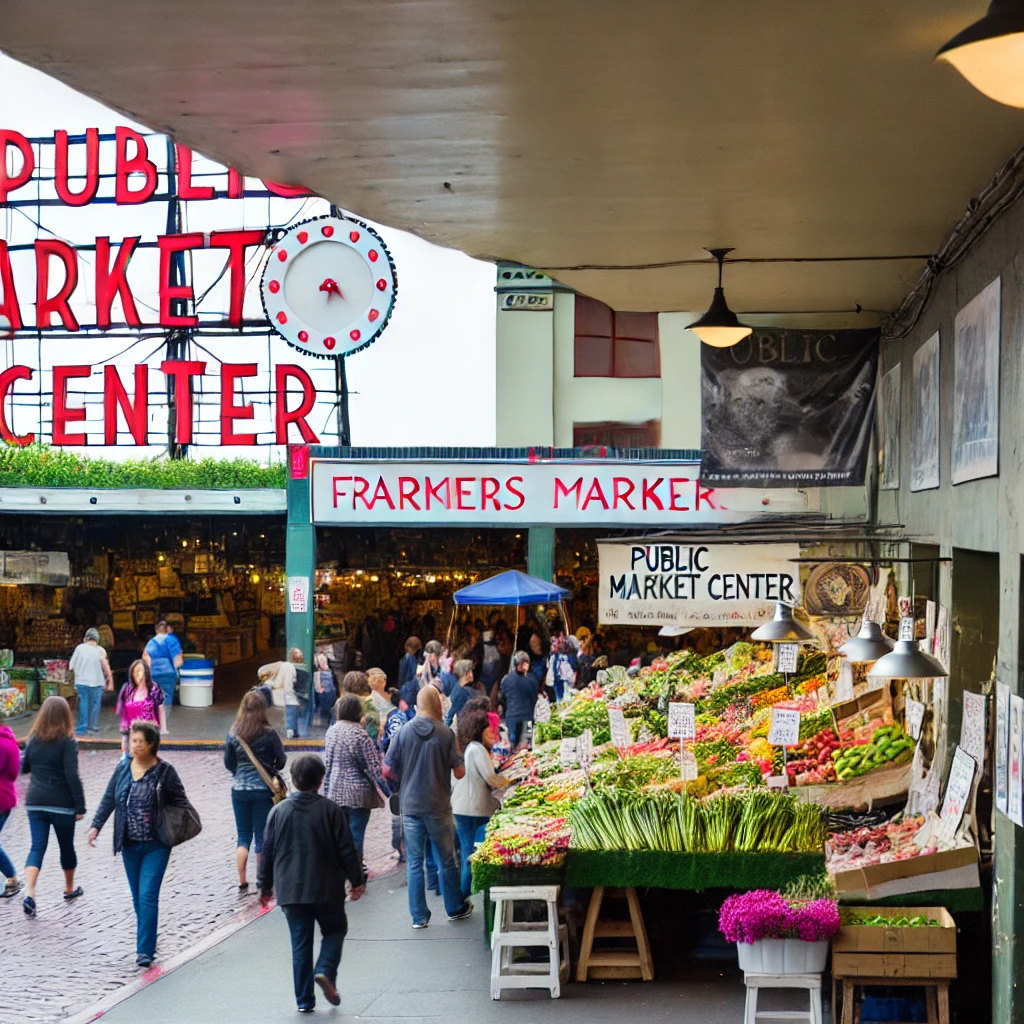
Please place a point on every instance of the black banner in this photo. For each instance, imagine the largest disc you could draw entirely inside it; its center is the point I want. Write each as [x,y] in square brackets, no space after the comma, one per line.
[787,408]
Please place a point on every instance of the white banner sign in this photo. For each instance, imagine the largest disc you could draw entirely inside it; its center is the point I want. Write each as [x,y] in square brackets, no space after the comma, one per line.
[523,493]
[695,585]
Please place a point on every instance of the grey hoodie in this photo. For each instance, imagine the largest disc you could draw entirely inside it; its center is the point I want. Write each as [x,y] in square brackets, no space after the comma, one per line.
[423,755]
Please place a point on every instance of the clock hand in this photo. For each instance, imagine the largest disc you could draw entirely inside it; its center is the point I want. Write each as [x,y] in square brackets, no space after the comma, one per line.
[330,285]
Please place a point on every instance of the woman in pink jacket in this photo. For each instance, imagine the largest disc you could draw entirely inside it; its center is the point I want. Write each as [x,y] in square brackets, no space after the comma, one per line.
[10,758]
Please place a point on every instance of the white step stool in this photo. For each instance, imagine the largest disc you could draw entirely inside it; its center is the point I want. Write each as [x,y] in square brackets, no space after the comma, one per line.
[811,982]
[509,935]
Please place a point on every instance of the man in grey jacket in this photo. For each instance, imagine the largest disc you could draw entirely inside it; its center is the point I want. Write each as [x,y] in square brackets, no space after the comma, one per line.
[308,850]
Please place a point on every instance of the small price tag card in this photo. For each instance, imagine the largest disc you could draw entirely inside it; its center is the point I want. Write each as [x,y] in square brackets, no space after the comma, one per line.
[567,752]
[785,728]
[542,710]
[915,716]
[620,731]
[787,656]
[585,747]
[688,765]
[682,721]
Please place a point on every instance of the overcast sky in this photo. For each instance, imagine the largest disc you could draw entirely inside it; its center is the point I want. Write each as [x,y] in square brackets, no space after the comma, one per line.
[428,380]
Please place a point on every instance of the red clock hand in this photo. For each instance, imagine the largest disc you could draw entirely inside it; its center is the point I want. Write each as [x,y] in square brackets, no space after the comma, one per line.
[330,285]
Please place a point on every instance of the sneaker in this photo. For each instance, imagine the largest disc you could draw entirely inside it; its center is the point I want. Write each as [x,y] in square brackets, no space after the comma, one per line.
[422,924]
[290,735]
[74,894]
[462,913]
[29,906]
[306,1009]
[143,961]
[328,988]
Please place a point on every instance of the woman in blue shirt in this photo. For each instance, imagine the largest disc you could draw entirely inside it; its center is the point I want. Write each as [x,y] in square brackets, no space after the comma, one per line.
[164,657]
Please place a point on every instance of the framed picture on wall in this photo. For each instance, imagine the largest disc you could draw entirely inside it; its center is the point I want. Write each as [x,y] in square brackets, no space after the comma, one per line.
[924,452]
[975,446]
[889,431]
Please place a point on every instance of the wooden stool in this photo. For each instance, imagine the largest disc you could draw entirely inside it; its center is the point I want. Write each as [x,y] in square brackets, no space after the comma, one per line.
[633,961]
[811,982]
[509,935]
[936,994]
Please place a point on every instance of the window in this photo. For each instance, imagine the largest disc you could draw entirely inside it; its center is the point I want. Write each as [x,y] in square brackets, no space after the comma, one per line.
[617,435]
[613,344]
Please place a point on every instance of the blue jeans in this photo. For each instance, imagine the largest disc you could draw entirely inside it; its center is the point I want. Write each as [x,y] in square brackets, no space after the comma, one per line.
[6,867]
[333,927]
[515,732]
[467,826]
[89,700]
[145,864]
[167,684]
[251,807]
[358,819]
[297,717]
[39,823]
[421,830]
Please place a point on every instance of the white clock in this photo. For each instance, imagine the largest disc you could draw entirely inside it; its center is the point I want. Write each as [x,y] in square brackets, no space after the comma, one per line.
[329,286]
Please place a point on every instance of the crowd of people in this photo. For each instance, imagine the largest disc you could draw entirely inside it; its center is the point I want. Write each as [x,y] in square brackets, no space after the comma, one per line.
[397,746]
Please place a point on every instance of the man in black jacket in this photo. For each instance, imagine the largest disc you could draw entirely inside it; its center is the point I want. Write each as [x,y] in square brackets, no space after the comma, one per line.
[307,845]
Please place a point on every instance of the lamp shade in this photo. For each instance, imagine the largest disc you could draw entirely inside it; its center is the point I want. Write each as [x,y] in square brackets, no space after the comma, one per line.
[783,629]
[869,644]
[907,661]
[719,326]
[990,53]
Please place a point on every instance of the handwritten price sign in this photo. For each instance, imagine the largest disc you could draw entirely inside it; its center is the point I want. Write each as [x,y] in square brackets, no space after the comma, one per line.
[620,732]
[682,722]
[785,729]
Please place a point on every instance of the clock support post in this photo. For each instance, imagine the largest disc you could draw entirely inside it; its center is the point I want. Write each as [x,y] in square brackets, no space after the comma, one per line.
[341,387]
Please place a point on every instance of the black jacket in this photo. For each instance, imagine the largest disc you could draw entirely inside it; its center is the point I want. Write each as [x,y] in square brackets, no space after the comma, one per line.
[54,769]
[267,749]
[308,852]
[115,799]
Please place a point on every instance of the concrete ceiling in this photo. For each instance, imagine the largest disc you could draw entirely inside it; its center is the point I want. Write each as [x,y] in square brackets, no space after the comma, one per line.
[576,133]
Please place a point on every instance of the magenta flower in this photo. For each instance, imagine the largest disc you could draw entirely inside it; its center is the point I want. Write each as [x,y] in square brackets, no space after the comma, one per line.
[765,914]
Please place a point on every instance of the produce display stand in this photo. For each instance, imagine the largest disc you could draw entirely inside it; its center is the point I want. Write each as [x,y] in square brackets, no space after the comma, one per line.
[882,786]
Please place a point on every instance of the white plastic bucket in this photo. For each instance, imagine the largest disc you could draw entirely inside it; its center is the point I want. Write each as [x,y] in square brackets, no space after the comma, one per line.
[782,956]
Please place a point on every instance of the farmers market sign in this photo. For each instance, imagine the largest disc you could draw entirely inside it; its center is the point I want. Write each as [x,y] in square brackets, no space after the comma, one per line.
[695,584]
[509,493]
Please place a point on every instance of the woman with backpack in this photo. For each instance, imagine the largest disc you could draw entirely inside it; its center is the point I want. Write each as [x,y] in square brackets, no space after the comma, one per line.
[55,798]
[253,743]
[139,793]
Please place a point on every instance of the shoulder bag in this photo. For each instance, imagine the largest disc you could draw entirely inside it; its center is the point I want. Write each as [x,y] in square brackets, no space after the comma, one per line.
[175,823]
[273,781]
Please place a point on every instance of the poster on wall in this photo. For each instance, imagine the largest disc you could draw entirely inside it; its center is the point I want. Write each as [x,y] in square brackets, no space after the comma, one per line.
[972,726]
[788,408]
[889,431]
[924,448]
[975,446]
[1013,810]
[1002,737]
[695,584]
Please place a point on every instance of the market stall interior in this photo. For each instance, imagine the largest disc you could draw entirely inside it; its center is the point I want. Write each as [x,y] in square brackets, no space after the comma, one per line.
[217,581]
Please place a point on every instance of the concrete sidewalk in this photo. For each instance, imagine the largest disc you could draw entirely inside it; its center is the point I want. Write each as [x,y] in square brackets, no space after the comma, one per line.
[390,973]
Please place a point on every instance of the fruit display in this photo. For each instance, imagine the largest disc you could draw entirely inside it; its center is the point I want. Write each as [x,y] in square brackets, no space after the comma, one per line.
[889,745]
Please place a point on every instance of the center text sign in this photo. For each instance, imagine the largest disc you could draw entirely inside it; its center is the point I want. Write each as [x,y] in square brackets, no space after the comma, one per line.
[695,585]
[514,493]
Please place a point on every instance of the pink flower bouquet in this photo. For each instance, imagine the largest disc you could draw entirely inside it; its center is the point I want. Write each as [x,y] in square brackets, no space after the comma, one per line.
[765,914]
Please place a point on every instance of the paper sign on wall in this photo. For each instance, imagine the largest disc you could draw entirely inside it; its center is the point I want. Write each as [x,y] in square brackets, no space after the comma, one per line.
[958,793]
[929,623]
[940,648]
[542,710]
[787,655]
[682,722]
[785,730]
[1014,808]
[620,731]
[972,727]
[298,594]
[1002,740]
[915,716]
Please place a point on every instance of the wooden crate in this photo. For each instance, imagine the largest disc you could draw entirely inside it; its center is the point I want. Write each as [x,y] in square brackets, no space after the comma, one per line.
[894,965]
[879,939]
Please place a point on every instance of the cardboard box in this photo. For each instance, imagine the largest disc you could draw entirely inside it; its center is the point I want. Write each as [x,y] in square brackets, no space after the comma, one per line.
[912,939]
[894,965]
[874,875]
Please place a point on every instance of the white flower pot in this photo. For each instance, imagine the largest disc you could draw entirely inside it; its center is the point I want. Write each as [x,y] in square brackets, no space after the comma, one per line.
[782,956]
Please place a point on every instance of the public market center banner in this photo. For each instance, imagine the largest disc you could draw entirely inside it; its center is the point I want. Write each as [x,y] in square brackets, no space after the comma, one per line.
[788,409]
[695,584]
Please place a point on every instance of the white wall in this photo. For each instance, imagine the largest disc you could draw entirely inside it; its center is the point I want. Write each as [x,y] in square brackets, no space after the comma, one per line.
[680,377]
[525,378]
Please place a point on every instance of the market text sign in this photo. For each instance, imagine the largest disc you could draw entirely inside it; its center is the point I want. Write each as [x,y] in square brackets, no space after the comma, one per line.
[512,493]
[695,585]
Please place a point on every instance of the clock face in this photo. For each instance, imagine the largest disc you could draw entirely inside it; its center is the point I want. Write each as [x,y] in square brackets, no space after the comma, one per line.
[329,286]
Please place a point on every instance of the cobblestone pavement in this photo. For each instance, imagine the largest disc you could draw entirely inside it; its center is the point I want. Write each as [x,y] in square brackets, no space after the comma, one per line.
[71,955]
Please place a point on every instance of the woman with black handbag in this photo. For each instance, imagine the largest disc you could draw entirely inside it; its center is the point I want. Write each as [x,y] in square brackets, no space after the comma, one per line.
[151,815]
[254,755]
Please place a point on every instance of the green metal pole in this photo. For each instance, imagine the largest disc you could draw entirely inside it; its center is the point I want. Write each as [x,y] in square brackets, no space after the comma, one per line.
[300,566]
[540,552]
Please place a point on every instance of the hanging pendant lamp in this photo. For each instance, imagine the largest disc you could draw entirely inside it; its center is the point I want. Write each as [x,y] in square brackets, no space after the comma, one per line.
[719,327]
[869,644]
[990,53]
[784,629]
[907,661]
